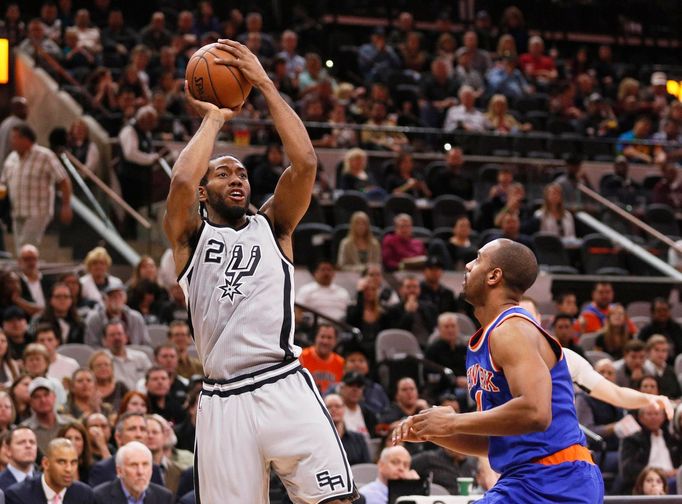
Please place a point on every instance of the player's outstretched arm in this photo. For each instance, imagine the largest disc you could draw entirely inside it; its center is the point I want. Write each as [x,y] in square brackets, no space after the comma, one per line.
[516,348]
[292,195]
[182,217]
[465,444]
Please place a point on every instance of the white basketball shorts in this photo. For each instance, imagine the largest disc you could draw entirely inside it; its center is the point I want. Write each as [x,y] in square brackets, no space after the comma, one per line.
[273,418]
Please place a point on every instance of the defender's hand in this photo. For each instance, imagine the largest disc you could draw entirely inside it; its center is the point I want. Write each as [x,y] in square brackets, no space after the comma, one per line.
[203,108]
[245,60]
[435,422]
[404,433]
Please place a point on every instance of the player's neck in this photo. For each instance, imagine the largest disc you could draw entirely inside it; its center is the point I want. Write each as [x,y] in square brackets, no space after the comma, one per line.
[489,312]
[218,220]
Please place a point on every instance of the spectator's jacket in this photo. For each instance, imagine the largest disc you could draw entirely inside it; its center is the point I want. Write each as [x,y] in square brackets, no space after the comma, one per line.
[30,491]
[112,493]
[634,456]
[104,471]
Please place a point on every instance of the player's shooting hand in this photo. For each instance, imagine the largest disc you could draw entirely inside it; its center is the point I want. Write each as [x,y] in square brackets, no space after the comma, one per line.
[246,61]
[404,433]
[662,403]
[438,421]
[205,108]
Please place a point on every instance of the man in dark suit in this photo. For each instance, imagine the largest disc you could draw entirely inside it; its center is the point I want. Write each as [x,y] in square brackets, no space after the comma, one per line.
[134,470]
[57,484]
[21,448]
[130,427]
[34,286]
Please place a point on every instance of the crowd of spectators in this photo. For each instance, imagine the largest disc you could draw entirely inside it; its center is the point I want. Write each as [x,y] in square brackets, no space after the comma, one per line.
[142,394]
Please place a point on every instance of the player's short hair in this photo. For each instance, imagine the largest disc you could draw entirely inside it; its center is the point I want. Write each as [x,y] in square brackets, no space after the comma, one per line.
[124,450]
[518,264]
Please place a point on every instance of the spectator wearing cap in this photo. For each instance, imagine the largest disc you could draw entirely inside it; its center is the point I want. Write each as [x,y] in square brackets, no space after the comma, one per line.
[15,327]
[130,365]
[324,364]
[356,418]
[115,308]
[36,359]
[374,395]
[657,94]
[412,313]
[431,288]
[44,421]
[354,443]
[31,173]
[97,264]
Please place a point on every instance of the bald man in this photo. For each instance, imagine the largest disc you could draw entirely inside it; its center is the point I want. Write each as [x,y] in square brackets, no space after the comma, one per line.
[519,379]
[394,463]
[57,484]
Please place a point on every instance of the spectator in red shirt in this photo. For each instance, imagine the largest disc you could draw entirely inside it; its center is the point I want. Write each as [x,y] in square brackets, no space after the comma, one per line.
[399,246]
[324,364]
[594,316]
[537,66]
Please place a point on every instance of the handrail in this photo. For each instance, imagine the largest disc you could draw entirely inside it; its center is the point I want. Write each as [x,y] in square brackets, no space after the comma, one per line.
[345,326]
[110,235]
[166,167]
[629,217]
[109,192]
[86,190]
[630,246]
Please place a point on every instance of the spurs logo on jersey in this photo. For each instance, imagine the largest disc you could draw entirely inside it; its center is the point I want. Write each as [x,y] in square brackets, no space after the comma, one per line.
[236,271]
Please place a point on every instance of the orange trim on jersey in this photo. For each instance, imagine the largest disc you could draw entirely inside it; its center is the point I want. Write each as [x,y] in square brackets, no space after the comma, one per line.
[574,453]
[479,400]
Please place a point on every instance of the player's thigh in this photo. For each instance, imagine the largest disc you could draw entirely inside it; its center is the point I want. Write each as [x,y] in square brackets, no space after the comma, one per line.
[301,442]
[229,466]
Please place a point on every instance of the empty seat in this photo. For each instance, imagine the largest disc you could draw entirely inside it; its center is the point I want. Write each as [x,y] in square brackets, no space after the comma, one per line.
[538,118]
[662,218]
[551,253]
[599,257]
[311,243]
[531,142]
[595,356]
[564,144]
[314,212]
[401,203]
[394,344]
[347,204]
[639,308]
[81,353]
[158,334]
[446,209]
[364,473]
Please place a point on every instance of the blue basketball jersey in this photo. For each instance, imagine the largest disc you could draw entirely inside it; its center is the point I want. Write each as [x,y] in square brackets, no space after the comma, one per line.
[488,387]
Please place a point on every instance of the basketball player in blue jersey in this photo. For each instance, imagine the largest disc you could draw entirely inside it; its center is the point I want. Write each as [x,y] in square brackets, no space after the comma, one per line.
[258,408]
[525,421]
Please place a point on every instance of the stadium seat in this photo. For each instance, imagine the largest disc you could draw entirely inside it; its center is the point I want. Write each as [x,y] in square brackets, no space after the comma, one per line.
[599,257]
[466,326]
[662,218]
[443,233]
[158,334]
[401,203]
[394,344]
[595,356]
[438,490]
[640,321]
[446,209]
[81,353]
[564,143]
[588,340]
[347,204]
[314,212]
[534,141]
[538,118]
[147,350]
[311,243]
[639,308]
[364,473]
[551,254]
[421,233]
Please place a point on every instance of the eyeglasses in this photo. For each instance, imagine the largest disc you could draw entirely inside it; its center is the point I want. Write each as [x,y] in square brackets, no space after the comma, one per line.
[62,296]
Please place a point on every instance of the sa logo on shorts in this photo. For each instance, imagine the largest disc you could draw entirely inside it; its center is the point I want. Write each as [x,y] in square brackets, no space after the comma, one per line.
[324,480]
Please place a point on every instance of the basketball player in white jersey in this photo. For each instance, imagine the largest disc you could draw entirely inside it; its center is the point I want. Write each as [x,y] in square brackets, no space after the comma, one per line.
[258,408]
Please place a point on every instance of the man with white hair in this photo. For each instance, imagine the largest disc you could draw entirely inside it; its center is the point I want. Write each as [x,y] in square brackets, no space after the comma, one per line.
[137,160]
[133,484]
[536,65]
[394,463]
[465,116]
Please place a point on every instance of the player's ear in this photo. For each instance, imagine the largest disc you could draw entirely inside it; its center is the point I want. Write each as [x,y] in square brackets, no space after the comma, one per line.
[202,193]
[494,276]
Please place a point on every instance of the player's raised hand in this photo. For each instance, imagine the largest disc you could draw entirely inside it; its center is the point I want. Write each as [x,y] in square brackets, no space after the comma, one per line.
[662,403]
[204,108]
[245,60]
[438,421]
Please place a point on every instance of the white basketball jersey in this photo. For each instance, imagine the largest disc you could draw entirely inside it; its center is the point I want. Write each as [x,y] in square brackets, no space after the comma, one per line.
[239,288]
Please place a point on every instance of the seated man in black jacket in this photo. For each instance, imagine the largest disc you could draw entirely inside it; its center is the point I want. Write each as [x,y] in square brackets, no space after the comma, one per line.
[357,418]
[653,446]
[412,314]
[354,443]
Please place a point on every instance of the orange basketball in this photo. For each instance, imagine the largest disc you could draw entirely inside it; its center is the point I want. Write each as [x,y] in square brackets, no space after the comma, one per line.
[222,85]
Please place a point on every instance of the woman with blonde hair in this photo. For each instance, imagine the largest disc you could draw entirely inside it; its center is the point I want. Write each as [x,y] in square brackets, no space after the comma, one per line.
[553,216]
[359,248]
[108,388]
[8,413]
[355,176]
[615,333]
[97,264]
[506,47]
[9,371]
[499,120]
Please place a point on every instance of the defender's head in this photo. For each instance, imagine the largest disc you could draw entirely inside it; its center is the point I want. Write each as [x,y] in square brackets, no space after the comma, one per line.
[500,264]
[224,189]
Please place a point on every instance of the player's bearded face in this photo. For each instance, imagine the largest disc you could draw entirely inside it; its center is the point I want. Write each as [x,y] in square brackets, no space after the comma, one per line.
[220,204]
